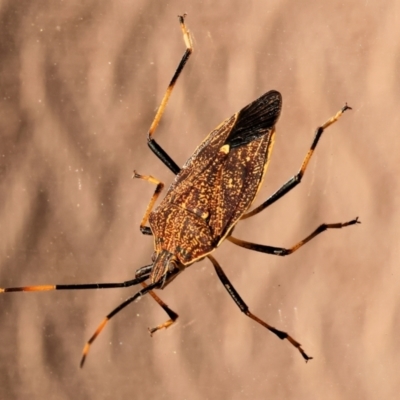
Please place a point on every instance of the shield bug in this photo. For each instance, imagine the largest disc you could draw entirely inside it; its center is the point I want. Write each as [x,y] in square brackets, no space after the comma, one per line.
[211,193]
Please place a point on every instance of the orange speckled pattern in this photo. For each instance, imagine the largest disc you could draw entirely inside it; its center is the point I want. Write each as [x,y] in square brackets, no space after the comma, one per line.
[80,82]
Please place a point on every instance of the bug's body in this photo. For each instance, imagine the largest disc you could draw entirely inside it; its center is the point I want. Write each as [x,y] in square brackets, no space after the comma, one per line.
[216,186]
[210,194]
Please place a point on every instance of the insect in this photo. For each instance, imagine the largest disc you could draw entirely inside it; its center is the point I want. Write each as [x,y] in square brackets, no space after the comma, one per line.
[211,193]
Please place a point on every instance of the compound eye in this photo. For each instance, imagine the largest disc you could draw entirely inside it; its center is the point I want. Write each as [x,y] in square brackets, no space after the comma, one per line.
[172,267]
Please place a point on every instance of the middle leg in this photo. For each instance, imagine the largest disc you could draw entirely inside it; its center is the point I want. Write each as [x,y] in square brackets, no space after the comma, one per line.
[143,228]
[280,251]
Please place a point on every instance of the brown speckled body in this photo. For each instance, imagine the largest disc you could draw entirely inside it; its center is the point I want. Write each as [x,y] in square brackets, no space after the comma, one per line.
[215,187]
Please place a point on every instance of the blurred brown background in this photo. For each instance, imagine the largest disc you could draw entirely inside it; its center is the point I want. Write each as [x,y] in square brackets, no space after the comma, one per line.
[79,84]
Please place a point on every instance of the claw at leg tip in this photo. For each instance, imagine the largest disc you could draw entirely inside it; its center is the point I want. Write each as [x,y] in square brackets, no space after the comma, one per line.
[346,107]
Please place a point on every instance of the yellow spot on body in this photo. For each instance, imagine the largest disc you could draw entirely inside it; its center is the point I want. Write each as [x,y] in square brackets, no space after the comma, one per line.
[224,149]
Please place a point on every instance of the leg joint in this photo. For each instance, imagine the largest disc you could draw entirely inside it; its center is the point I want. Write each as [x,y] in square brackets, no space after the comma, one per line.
[146,230]
[281,335]
[282,252]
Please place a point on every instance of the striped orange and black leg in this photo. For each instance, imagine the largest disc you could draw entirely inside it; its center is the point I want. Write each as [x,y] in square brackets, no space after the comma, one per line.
[173,316]
[245,309]
[295,180]
[83,286]
[280,251]
[155,147]
[143,228]
[112,314]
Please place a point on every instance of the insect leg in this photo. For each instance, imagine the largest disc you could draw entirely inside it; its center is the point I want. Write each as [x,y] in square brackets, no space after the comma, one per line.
[111,314]
[154,146]
[280,251]
[245,309]
[296,179]
[171,314]
[43,288]
[145,273]
[143,228]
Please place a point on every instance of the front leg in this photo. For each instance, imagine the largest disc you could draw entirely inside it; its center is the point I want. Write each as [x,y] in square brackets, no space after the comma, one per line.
[173,316]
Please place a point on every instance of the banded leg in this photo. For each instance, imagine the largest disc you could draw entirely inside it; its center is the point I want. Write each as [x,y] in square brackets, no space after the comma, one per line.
[143,228]
[173,316]
[112,314]
[154,146]
[245,309]
[166,159]
[83,286]
[144,273]
[296,179]
[280,251]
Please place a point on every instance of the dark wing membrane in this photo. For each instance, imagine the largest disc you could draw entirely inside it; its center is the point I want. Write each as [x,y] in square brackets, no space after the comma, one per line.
[255,119]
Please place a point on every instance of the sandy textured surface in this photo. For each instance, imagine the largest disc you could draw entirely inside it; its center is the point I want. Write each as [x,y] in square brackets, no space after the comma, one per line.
[79,84]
